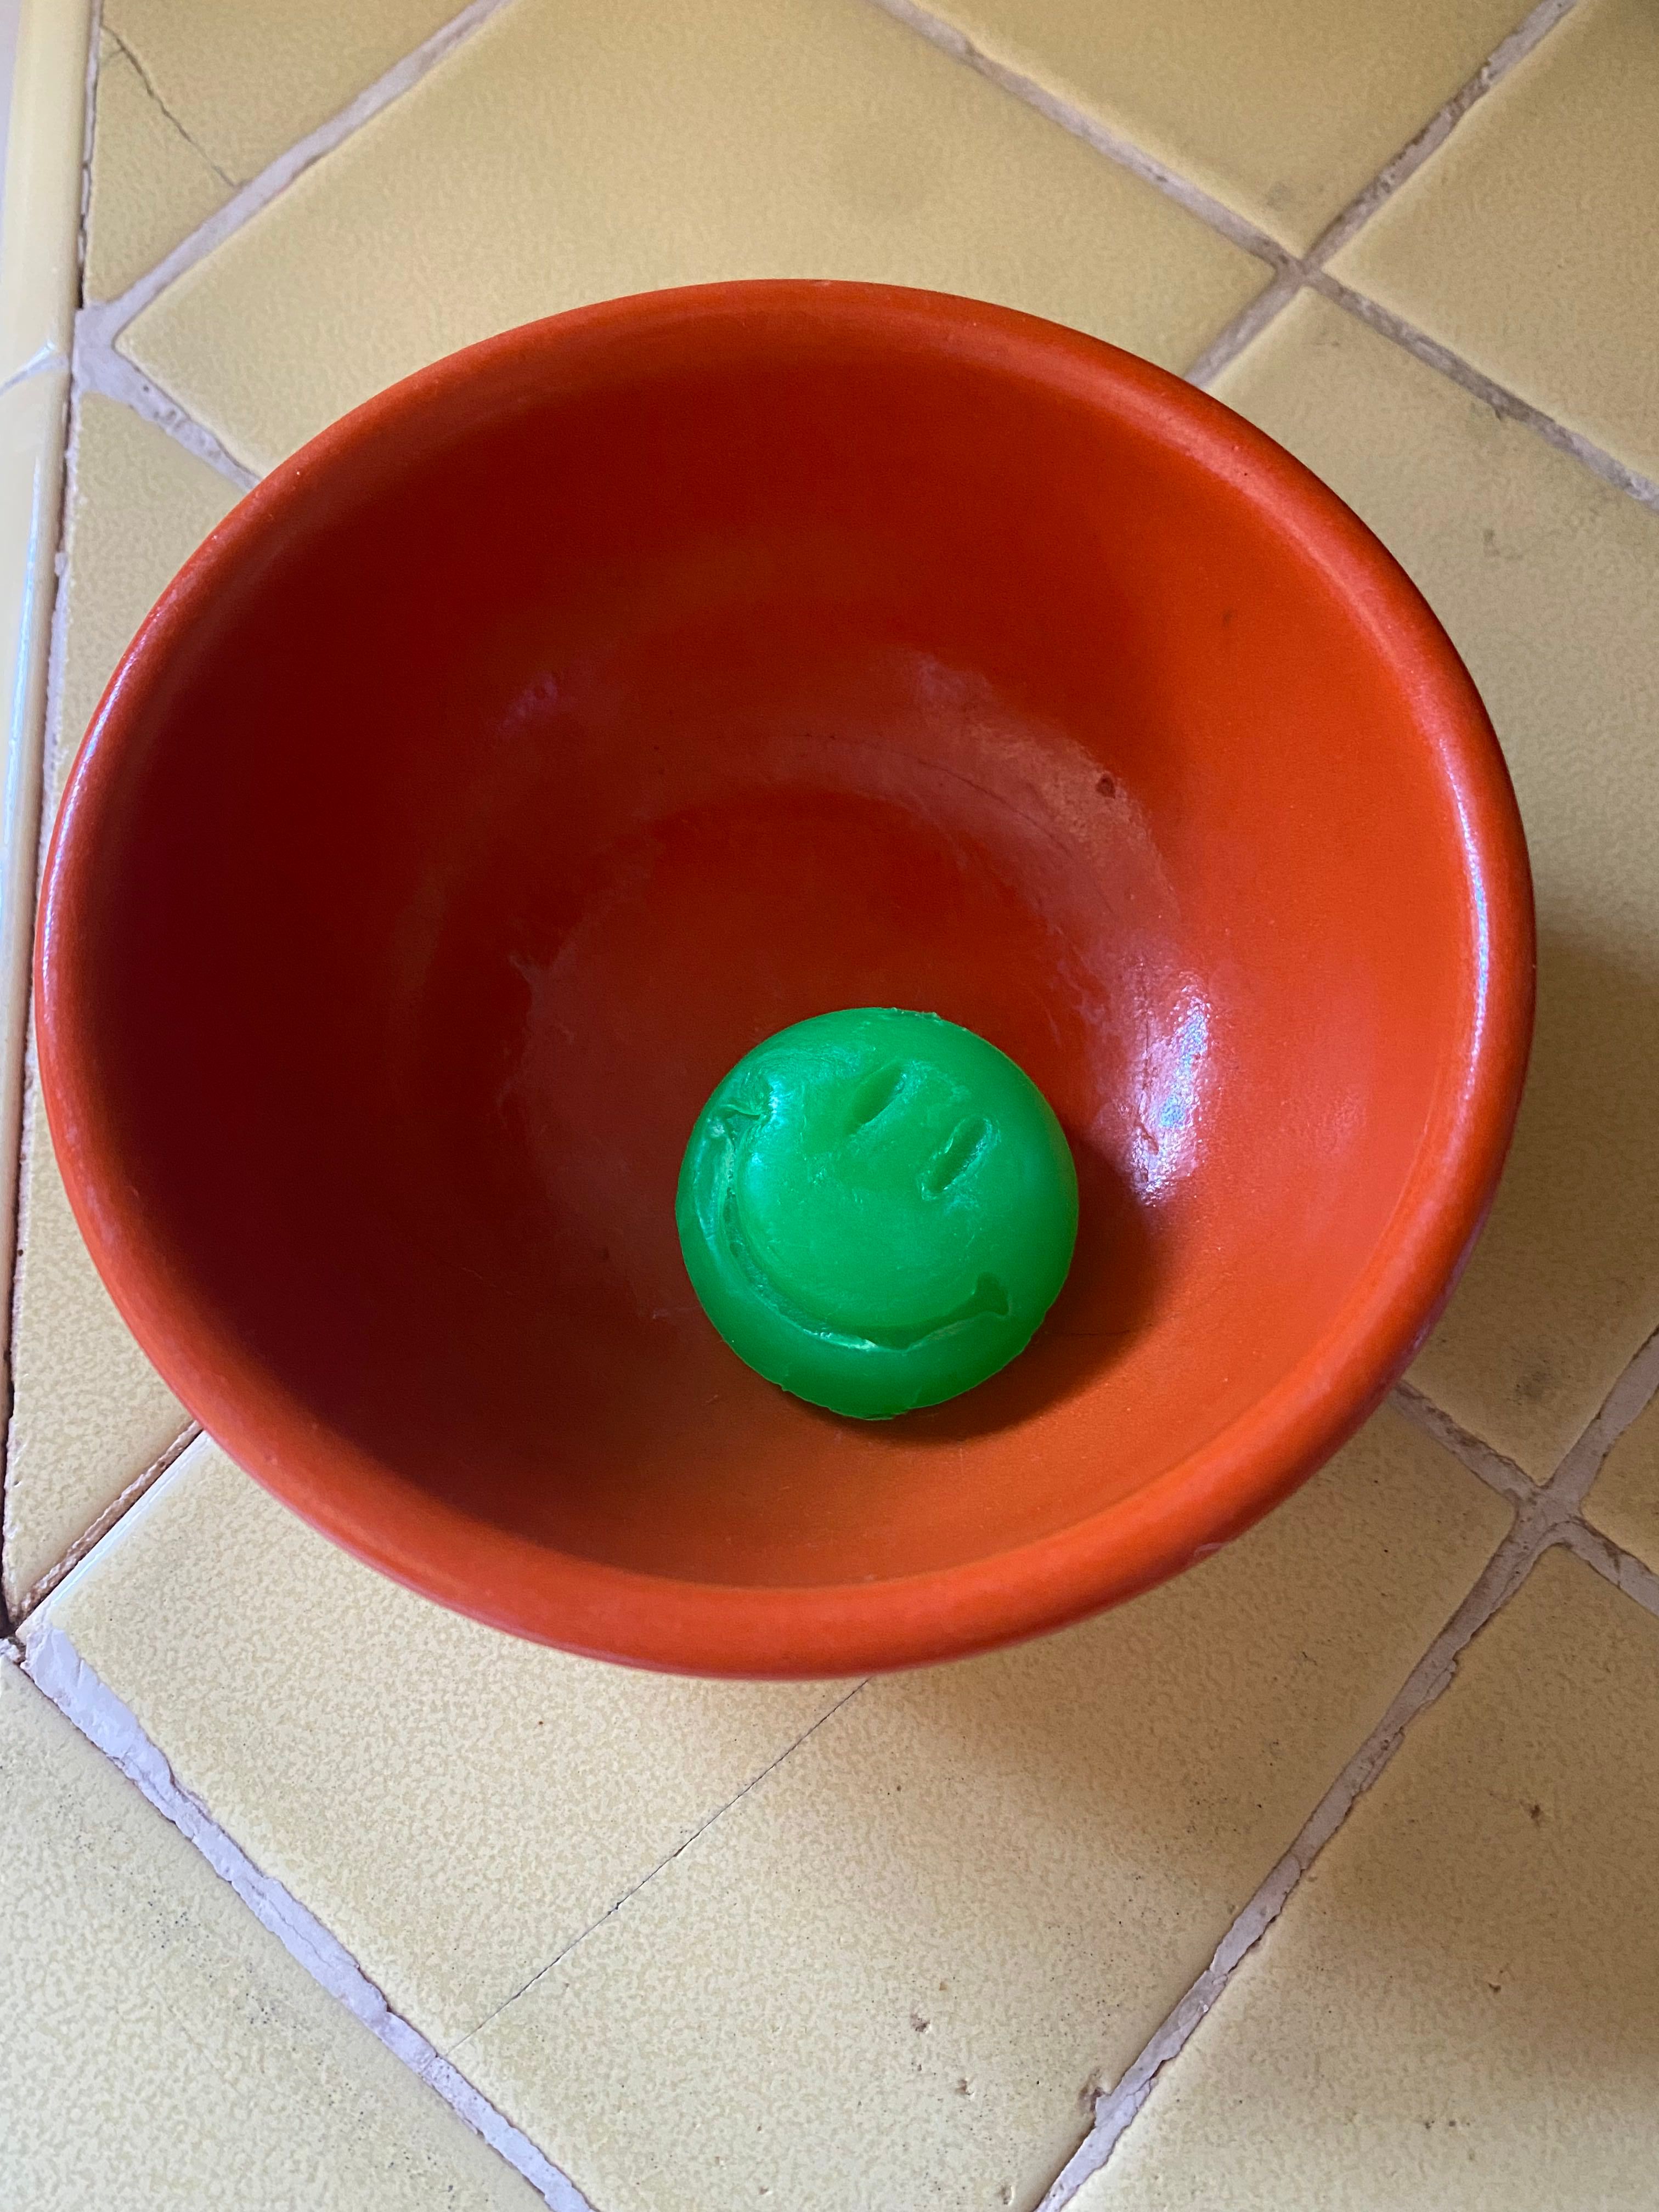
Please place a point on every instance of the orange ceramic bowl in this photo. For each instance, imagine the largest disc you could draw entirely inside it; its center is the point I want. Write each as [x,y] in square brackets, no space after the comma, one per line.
[607,697]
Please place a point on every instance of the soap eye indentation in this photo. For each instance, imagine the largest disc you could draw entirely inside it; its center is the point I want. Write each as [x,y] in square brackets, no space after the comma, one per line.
[966,1144]
[873,1097]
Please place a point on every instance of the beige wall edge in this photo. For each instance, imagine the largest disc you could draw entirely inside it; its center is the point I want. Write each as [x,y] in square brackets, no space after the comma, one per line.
[40,262]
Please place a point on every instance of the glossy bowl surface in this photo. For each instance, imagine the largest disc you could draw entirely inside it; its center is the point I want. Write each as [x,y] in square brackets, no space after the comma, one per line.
[606,697]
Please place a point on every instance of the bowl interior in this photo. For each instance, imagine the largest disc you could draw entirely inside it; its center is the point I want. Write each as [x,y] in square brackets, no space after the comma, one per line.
[483,794]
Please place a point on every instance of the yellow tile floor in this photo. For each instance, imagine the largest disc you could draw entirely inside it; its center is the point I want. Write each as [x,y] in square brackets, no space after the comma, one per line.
[1320,1877]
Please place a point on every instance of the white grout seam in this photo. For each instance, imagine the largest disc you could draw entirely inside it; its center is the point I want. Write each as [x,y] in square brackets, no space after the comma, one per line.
[1634,1577]
[104,320]
[1435,132]
[1291,269]
[1499,1473]
[17,1050]
[1545,1514]
[1498,397]
[1630,1395]
[1501,1576]
[99,366]
[55,1667]
[1081,123]
[44,1585]
[1246,326]
[1294,272]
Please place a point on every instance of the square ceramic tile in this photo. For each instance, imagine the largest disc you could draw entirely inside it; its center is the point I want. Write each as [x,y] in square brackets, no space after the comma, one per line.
[573,152]
[1459,2009]
[162,2050]
[1528,243]
[1285,111]
[1623,1499]
[88,1413]
[1548,580]
[892,1972]
[455,1806]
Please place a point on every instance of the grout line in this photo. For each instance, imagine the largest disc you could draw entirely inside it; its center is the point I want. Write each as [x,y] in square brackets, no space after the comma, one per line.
[1410,159]
[719,1814]
[95,366]
[88,132]
[1627,1398]
[44,1585]
[1634,1577]
[103,321]
[1291,269]
[26,1073]
[1534,1529]
[947,37]
[1499,1473]
[1545,1514]
[27,723]
[1245,327]
[99,368]
[1308,268]
[1495,395]
[52,1663]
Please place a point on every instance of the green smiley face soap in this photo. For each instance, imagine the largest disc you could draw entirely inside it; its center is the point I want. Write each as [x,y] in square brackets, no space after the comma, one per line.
[877,1208]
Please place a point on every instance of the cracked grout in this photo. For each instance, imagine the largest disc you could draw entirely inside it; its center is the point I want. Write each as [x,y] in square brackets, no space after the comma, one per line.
[1545,1515]
[57,1670]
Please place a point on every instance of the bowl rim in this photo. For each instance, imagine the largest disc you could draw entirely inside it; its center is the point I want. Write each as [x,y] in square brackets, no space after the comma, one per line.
[779,1632]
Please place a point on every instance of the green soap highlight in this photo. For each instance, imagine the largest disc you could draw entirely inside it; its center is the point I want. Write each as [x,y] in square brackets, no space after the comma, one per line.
[877,1208]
